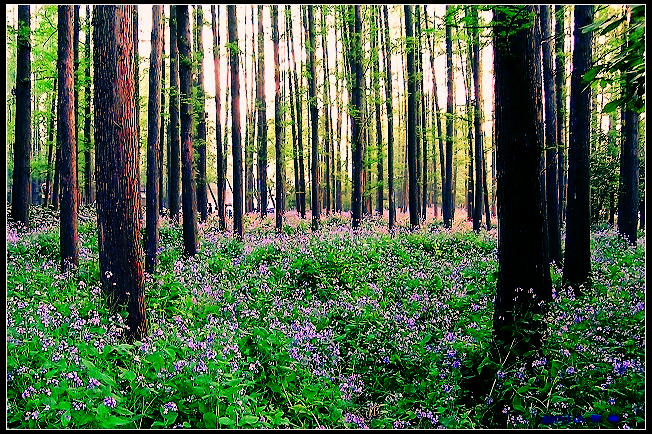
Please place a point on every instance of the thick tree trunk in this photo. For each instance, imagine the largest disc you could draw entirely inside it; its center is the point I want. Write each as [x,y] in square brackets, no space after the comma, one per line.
[121,263]
[522,260]
[50,142]
[88,183]
[447,198]
[261,105]
[69,238]
[577,262]
[235,125]
[75,45]
[21,191]
[189,201]
[173,135]
[218,122]
[136,72]
[153,139]
[277,124]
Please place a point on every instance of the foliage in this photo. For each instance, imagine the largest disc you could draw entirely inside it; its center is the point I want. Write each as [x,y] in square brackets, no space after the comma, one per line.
[335,329]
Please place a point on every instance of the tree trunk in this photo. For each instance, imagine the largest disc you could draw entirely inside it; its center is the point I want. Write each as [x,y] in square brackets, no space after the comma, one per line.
[301,188]
[447,205]
[328,136]
[136,72]
[554,235]
[50,142]
[218,122]
[522,259]
[162,129]
[560,84]
[577,262]
[277,123]
[261,105]
[88,184]
[21,193]
[200,110]
[375,53]
[153,139]
[66,124]
[188,183]
[173,136]
[312,100]
[235,125]
[390,119]
[121,263]
[411,123]
[75,45]
[628,202]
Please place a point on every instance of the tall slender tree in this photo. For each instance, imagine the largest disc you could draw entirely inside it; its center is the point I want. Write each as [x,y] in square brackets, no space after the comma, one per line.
[328,136]
[447,195]
[523,270]
[88,184]
[628,202]
[375,68]
[235,126]
[277,123]
[312,102]
[200,113]
[411,120]
[387,58]
[21,191]
[187,182]
[353,54]
[560,80]
[153,139]
[577,261]
[161,194]
[136,72]
[173,135]
[75,45]
[66,124]
[120,251]
[262,118]
[550,103]
[218,120]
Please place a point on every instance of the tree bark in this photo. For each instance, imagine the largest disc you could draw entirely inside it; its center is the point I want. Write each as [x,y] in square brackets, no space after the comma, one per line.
[173,135]
[153,139]
[161,188]
[200,115]
[554,235]
[447,199]
[188,183]
[312,100]
[75,44]
[328,136]
[261,105]
[235,125]
[21,189]
[218,122]
[560,84]
[387,56]
[136,72]
[69,238]
[523,269]
[121,263]
[577,262]
[88,183]
[277,124]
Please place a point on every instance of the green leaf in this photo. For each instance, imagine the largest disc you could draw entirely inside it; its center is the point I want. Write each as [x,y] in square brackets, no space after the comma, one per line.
[210,420]
[611,106]
[226,421]
[249,419]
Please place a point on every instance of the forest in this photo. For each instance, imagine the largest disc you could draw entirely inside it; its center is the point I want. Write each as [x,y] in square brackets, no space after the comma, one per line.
[325,216]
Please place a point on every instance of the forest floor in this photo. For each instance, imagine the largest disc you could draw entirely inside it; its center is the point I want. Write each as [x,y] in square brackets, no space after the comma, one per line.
[335,329]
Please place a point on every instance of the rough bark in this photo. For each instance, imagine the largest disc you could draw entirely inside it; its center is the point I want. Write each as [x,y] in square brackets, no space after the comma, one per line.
[153,141]
[188,193]
[21,191]
[577,261]
[69,193]
[116,145]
